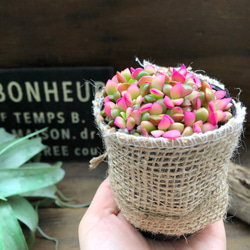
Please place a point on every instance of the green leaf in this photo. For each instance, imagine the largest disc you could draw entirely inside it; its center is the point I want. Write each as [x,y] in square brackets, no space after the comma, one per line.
[20,152]
[10,230]
[5,136]
[4,147]
[28,178]
[24,212]
[48,192]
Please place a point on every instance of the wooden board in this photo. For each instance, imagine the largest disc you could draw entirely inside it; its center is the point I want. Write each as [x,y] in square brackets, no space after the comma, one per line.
[208,35]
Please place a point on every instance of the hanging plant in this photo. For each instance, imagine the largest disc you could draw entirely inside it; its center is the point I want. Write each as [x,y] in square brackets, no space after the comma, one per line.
[22,176]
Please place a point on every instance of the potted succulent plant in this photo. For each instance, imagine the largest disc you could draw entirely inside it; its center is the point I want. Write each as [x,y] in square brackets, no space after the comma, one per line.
[169,135]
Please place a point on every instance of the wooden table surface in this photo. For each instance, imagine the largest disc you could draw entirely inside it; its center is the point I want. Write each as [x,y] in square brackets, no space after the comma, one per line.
[81,183]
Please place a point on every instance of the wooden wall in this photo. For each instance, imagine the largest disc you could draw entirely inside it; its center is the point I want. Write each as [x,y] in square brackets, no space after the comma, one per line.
[209,34]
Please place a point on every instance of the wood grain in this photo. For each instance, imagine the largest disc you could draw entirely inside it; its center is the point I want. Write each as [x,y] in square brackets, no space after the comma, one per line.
[239,182]
[209,35]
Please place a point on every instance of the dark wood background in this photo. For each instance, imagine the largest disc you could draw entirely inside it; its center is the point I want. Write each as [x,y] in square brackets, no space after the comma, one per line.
[212,35]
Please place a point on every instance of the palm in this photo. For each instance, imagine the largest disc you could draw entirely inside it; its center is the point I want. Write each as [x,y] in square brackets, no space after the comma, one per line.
[103,227]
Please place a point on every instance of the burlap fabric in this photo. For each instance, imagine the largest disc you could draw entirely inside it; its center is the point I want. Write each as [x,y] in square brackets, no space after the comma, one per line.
[172,187]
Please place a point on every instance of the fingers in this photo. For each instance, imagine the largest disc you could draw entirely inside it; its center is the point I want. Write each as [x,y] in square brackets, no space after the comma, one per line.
[103,202]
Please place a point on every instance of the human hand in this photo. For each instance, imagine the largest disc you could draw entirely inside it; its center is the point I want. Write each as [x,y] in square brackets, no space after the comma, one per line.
[104,227]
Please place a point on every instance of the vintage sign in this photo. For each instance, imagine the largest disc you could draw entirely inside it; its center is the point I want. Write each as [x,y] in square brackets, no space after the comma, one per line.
[57,98]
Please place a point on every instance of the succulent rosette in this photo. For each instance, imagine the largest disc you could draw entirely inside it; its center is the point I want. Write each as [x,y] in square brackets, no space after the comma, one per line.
[164,102]
[169,135]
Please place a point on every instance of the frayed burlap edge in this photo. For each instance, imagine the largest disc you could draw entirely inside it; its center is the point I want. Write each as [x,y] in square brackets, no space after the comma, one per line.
[172,187]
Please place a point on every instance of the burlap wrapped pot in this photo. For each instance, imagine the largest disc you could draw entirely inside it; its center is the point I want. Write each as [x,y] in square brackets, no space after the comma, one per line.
[172,187]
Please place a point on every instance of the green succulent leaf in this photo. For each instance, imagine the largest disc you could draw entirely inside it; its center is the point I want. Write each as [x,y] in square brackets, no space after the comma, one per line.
[47,192]
[11,235]
[28,178]
[20,153]
[5,137]
[24,212]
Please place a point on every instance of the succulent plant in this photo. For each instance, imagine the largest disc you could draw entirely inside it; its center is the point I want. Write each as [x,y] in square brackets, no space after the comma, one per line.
[163,102]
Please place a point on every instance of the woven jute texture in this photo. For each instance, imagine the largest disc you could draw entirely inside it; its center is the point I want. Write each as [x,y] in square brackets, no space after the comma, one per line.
[172,187]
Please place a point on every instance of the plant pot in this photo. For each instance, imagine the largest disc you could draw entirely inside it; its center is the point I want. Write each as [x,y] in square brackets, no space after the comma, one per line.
[171,187]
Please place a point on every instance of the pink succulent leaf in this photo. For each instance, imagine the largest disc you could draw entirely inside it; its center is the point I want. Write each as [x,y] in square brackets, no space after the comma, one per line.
[178,117]
[136,72]
[176,91]
[114,79]
[209,95]
[111,87]
[229,105]
[139,100]
[150,69]
[198,103]
[168,102]
[208,127]
[186,103]
[189,118]
[121,104]
[183,70]
[189,109]
[128,99]
[134,91]
[176,110]
[167,78]
[156,93]
[187,131]
[197,82]
[129,112]
[106,99]
[136,114]
[144,132]
[221,115]
[146,107]
[178,101]
[158,82]
[165,123]
[172,134]
[220,94]
[211,107]
[228,116]
[120,77]
[145,79]
[197,128]
[199,123]
[147,125]
[177,77]
[157,133]
[221,104]
[193,95]
[189,75]
[120,122]
[155,119]
[186,90]
[108,107]
[130,123]
[123,87]
[155,109]
[127,74]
